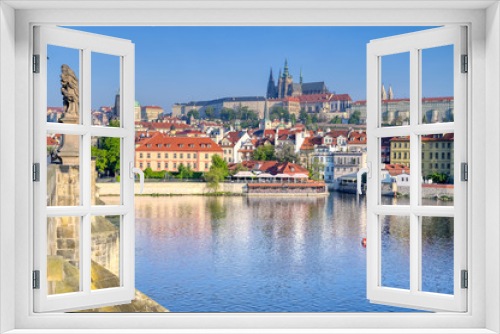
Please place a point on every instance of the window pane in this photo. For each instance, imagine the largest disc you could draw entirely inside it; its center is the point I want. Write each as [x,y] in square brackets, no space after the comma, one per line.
[437,85]
[63,88]
[438,175]
[437,254]
[105,166]
[63,170]
[105,252]
[63,255]
[395,105]
[395,170]
[395,246]
[106,101]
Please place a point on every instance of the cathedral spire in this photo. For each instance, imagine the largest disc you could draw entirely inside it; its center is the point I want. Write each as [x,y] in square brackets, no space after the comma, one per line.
[391,94]
[301,79]
[384,94]
[285,70]
[271,86]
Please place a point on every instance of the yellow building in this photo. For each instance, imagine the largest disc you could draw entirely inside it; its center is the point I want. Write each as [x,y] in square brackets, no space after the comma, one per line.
[437,153]
[400,150]
[168,153]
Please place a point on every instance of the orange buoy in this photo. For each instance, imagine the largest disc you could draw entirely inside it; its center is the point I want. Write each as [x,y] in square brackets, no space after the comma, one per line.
[363,242]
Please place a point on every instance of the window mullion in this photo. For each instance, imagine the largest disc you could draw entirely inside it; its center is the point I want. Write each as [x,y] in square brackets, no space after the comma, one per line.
[415,259]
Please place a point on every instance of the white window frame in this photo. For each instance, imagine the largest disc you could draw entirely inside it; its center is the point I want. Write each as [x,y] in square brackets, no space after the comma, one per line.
[86,44]
[483,102]
[413,44]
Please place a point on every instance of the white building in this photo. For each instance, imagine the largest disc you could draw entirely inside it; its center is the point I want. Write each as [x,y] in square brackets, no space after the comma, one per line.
[324,154]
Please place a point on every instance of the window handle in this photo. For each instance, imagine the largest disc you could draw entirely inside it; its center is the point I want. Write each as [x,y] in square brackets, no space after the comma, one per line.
[133,171]
[361,171]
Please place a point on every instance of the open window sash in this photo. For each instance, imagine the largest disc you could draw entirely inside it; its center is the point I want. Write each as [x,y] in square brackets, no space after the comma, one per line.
[85,294]
[414,297]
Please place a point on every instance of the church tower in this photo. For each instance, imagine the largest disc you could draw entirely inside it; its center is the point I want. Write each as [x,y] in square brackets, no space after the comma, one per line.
[391,94]
[384,94]
[280,85]
[271,87]
[265,123]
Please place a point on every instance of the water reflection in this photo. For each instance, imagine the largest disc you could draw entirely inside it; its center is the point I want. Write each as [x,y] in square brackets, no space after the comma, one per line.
[239,254]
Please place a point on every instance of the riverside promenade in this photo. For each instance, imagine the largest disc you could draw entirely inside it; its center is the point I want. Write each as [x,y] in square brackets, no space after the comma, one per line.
[230,188]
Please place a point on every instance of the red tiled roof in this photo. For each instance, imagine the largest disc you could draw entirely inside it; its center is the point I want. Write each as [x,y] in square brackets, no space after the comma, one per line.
[161,125]
[152,107]
[309,143]
[162,143]
[396,169]
[324,97]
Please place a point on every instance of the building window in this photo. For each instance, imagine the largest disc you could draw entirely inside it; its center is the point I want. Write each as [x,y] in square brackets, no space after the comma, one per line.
[206,165]
[206,155]
[189,165]
[166,155]
[148,155]
[159,155]
[182,155]
[166,165]
[149,165]
[175,165]
[189,155]
[175,155]
[159,165]
[194,165]
[194,155]
[140,165]
[140,155]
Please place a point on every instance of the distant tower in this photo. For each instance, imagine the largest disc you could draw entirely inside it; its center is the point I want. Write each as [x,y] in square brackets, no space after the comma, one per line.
[280,85]
[266,122]
[301,79]
[287,80]
[384,94]
[271,87]
[391,94]
[116,111]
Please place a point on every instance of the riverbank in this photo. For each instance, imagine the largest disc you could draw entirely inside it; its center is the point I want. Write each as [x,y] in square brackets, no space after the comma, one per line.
[173,188]
[197,188]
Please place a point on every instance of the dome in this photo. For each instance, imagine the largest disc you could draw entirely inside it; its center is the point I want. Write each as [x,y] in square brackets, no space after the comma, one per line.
[137,104]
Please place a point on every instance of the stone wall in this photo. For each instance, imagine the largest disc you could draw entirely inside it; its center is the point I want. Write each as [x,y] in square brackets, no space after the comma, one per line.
[172,188]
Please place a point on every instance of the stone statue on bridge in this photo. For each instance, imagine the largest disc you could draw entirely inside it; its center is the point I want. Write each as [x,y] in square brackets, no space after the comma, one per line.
[70,92]
[69,151]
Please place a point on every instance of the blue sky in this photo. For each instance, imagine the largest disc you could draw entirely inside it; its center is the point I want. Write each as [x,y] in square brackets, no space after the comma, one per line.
[181,64]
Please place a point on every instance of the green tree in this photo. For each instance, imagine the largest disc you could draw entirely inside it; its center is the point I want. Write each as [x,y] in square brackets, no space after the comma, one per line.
[438,177]
[184,172]
[287,153]
[314,118]
[219,163]
[336,120]
[424,119]
[354,119]
[316,170]
[227,114]
[194,113]
[209,112]
[264,153]
[303,115]
[293,119]
[107,152]
[213,177]
[217,173]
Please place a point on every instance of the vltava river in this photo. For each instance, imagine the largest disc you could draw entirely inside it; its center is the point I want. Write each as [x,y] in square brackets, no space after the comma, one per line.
[247,254]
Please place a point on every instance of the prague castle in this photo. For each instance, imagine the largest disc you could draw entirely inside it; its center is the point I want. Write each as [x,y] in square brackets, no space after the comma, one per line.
[287,88]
